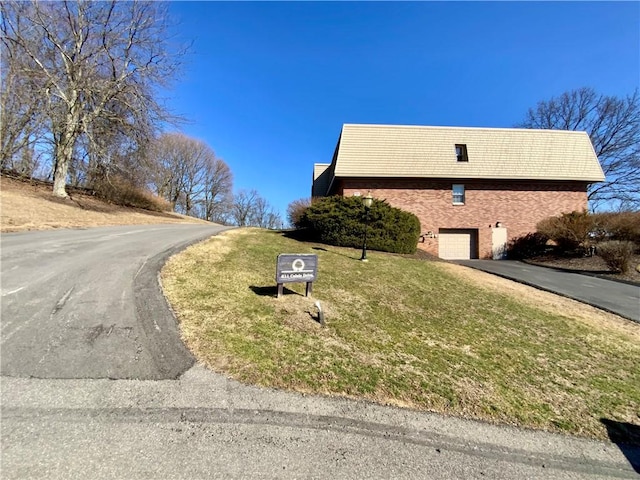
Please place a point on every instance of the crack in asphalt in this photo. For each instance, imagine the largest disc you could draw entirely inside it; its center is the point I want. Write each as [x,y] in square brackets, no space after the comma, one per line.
[60,303]
[272,418]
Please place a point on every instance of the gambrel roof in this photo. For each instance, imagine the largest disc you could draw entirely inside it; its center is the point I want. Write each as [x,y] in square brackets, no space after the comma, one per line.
[493,153]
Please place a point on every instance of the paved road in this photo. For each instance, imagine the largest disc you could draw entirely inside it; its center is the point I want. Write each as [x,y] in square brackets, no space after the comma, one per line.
[205,426]
[78,322]
[86,303]
[619,298]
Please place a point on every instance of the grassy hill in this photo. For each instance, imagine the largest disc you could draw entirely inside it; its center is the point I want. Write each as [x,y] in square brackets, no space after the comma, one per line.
[406,331]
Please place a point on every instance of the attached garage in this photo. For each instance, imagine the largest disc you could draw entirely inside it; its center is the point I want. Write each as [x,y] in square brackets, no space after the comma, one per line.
[458,244]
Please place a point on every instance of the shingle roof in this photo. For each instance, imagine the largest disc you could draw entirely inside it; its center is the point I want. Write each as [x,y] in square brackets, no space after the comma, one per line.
[493,153]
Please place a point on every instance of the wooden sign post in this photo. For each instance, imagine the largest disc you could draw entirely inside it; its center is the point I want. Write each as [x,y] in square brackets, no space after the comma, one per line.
[292,268]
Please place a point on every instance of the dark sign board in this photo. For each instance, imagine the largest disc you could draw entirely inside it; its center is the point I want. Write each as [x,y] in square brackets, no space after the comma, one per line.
[296,268]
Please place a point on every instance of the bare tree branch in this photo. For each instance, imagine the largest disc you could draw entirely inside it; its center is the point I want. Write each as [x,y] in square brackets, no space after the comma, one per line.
[186,172]
[249,209]
[97,66]
[613,124]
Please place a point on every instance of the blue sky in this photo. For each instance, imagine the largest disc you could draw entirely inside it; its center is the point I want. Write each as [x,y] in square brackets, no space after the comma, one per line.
[268,85]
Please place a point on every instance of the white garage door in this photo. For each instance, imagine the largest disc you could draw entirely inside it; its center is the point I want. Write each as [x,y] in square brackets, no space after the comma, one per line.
[456,244]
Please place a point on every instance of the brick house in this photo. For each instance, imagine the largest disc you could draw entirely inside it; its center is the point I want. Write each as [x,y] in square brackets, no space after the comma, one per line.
[473,189]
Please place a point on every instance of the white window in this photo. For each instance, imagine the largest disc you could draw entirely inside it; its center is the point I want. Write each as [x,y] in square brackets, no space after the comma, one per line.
[458,194]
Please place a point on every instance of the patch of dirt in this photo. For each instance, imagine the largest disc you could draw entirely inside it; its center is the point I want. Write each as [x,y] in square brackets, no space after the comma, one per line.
[592,265]
[26,205]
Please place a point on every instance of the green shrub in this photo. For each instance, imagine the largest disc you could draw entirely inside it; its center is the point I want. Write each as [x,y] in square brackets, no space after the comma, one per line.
[528,246]
[616,254]
[340,221]
[569,230]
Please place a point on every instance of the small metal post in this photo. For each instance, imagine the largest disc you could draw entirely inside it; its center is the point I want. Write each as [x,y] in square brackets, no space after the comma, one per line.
[309,289]
[320,313]
[279,290]
[364,243]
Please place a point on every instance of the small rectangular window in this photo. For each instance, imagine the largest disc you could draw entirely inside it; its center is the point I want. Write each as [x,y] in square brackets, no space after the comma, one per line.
[461,153]
[458,194]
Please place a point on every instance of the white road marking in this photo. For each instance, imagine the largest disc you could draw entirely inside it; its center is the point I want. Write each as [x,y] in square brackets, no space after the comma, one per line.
[58,306]
[141,267]
[115,235]
[11,292]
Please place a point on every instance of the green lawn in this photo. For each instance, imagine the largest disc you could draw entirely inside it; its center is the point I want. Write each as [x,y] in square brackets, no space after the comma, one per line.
[400,331]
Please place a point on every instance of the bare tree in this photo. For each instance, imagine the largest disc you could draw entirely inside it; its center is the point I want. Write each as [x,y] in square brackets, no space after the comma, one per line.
[216,192]
[249,209]
[243,207]
[264,216]
[295,210]
[186,172]
[613,124]
[195,170]
[259,214]
[95,65]
[274,220]
[166,162]
[176,168]
[20,105]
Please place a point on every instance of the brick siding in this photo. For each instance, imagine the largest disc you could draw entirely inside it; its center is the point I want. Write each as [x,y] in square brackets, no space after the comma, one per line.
[518,205]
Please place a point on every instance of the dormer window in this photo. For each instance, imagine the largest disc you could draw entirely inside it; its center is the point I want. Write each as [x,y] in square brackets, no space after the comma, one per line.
[461,153]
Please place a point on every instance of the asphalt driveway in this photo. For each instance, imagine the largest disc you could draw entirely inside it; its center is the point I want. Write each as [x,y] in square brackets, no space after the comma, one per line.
[87,303]
[619,298]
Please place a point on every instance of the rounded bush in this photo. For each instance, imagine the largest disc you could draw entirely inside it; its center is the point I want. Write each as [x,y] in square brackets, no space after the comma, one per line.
[340,221]
[568,230]
[616,254]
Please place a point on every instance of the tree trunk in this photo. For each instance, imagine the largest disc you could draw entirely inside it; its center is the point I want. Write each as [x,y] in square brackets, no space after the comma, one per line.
[60,173]
[63,154]
[187,204]
[208,213]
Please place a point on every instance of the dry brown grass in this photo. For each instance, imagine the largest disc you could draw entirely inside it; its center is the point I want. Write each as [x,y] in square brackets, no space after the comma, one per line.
[30,206]
[549,302]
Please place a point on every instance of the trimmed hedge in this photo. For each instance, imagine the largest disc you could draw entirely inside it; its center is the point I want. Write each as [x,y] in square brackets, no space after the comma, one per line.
[340,221]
